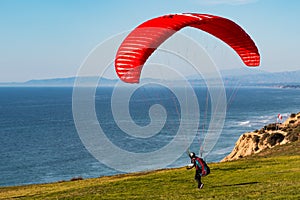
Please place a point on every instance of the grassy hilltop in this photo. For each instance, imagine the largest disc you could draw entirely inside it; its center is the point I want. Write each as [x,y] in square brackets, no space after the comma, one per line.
[271,174]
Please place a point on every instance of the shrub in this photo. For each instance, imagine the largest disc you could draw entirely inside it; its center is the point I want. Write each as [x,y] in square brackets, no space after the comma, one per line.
[291,121]
[255,139]
[293,134]
[261,131]
[293,137]
[76,178]
[275,138]
[271,127]
[266,135]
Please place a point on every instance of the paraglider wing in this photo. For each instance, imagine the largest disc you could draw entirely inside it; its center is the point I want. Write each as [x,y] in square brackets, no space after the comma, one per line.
[146,38]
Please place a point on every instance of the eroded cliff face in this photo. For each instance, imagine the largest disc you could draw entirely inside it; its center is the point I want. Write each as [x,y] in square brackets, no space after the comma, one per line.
[267,137]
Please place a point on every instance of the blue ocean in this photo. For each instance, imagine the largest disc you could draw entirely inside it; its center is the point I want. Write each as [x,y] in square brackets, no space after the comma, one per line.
[39,142]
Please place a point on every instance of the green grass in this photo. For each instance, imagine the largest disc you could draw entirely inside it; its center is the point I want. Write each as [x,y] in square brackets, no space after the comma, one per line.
[273,174]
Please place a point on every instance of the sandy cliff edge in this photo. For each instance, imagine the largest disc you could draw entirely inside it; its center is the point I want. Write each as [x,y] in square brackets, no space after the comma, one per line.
[267,137]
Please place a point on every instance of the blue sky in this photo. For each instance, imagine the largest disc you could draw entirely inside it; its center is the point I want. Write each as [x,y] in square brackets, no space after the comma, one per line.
[51,38]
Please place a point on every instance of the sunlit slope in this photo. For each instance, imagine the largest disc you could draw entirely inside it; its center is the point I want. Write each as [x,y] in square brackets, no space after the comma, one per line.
[271,174]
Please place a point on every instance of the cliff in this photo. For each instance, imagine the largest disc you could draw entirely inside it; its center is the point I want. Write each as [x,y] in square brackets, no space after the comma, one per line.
[267,137]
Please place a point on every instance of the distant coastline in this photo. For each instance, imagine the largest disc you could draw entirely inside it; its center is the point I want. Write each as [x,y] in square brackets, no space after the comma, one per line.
[290,86]
[241,77]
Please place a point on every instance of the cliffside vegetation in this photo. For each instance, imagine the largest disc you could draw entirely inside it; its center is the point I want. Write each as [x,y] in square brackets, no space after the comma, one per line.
[266,138]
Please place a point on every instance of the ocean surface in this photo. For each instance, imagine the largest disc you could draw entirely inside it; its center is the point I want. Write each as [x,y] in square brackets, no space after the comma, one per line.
[39,142]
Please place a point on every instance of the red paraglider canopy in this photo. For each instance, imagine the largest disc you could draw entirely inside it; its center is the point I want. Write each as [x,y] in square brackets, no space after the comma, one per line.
[144,39]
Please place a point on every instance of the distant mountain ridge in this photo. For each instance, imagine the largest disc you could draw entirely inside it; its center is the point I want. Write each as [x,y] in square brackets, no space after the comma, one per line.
[255,77]
[61,82]
[244,77]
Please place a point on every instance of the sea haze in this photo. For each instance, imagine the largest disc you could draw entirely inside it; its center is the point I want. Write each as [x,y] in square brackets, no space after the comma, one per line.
[39,142]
